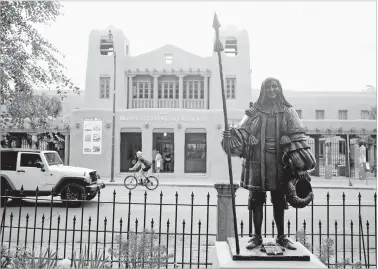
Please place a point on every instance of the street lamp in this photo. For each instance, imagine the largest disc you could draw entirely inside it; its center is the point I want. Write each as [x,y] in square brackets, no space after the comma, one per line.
[114,98]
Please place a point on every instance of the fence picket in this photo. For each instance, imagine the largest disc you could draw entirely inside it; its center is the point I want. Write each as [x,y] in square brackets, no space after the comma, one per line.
[57,238]
[26,230]
[73,239]
[191,230]
[351,240]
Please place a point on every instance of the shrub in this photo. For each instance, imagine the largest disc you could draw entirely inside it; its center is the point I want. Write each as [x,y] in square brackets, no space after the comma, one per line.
[23,259]
[140,250]
[326,252]
[98,262]
[302,238]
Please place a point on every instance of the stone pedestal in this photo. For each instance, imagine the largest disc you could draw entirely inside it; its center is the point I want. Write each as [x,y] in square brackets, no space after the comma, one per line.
[225,221]
[222,259]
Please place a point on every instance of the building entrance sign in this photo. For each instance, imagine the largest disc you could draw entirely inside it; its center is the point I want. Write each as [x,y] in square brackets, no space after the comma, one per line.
[163,116]
[92,136]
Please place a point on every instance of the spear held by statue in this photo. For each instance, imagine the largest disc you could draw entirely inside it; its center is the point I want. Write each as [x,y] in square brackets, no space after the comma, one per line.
[218,48]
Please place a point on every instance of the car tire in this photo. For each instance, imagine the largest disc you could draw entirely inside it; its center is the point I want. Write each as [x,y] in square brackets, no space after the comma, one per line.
[91,196]
[72,195]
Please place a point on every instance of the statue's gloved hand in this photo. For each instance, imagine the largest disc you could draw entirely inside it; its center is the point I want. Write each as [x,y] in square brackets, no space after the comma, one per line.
[227,134]
[303,175]
[226,141]
[287,162]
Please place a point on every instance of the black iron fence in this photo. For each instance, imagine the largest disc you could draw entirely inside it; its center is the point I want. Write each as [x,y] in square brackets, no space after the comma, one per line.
[339,232]
[184,234]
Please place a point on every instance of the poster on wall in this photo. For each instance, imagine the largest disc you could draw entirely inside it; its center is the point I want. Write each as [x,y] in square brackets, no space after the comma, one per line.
[92,136]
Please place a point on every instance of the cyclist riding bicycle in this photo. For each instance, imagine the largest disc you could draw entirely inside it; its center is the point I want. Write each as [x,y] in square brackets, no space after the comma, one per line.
[147,166]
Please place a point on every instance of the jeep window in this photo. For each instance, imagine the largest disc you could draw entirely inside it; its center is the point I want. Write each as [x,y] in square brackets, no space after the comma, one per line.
[30,159]
[53,158]
[9,160]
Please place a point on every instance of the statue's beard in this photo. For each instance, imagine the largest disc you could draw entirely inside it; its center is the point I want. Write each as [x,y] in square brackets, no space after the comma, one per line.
[272,105]
[269,101]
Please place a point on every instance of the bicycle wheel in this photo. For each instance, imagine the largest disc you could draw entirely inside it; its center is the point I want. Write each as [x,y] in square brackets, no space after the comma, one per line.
[153,184]
[130,182]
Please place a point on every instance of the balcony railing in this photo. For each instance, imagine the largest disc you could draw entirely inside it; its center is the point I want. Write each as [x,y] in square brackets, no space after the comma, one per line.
[143,103]
[193,104]
[168,104]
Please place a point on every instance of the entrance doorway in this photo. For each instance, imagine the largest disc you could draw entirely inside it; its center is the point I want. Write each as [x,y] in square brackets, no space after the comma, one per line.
[195,153]
[163,142]
[130,144]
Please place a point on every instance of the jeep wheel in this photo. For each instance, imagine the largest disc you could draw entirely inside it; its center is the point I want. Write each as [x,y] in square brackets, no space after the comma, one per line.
[91,196]
[72,195]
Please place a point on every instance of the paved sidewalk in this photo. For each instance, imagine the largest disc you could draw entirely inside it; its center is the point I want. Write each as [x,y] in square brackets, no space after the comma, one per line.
[203,181]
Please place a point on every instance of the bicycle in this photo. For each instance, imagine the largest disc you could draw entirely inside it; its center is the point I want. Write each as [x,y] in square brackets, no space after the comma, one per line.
[131,182]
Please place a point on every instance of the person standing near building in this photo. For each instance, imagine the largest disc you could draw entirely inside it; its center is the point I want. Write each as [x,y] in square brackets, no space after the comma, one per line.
[154,160]
[167,160]
[364,166]
[362,153]
[158,160]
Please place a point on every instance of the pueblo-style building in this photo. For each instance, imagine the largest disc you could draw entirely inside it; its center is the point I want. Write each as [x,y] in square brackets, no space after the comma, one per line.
[169,100]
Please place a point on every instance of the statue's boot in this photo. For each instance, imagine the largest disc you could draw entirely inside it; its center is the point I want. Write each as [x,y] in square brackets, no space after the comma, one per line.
[285,242]
[255,241]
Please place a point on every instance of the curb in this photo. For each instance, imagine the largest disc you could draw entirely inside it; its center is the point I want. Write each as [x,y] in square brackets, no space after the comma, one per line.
[212,186]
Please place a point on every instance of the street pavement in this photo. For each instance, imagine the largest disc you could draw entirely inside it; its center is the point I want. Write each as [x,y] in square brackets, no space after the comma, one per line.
[316,182]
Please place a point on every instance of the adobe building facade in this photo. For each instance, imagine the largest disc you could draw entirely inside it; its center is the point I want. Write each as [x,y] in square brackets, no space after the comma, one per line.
[169,100]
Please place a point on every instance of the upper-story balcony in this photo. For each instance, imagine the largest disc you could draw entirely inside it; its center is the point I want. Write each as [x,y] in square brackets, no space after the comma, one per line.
[150,103]
[187,90]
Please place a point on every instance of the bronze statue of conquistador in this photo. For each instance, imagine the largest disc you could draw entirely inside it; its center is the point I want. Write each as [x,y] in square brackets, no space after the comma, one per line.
[269,133]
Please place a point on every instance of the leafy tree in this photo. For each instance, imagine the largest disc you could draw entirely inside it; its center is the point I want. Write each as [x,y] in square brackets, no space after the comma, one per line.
[28,60]
[39,110]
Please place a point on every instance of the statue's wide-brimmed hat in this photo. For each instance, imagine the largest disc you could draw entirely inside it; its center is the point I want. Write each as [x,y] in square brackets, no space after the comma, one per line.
[299,193]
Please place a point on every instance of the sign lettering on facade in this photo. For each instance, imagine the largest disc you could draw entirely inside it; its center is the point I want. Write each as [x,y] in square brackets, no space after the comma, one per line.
[163,116]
